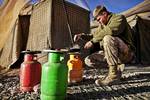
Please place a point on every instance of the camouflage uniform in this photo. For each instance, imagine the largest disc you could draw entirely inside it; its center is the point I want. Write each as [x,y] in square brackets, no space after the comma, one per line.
[116,40]
[115,37]
[116,53]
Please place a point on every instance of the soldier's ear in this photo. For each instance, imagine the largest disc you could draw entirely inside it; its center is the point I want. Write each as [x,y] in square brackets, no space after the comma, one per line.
[104,13]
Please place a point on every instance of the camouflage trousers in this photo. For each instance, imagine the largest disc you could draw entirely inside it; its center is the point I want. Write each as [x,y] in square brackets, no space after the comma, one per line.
[115,52]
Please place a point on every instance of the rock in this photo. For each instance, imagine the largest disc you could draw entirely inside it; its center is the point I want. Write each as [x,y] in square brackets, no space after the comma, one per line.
[36,88]
[1,84]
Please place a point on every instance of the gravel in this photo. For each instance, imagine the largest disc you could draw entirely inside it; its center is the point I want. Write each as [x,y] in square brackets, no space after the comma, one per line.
[134,86]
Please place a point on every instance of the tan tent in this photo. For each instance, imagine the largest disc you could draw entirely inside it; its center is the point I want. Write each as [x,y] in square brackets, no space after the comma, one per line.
[139,19]
[141,10]
[49,25]
[37,27]
[9,12]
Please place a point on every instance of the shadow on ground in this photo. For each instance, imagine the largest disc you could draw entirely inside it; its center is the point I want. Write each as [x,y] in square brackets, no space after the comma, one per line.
[131,85]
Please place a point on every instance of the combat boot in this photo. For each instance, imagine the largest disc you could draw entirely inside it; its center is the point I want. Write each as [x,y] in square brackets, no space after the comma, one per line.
[113,77]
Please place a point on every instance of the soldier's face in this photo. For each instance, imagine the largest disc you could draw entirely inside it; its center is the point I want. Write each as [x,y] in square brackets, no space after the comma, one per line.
[102,18]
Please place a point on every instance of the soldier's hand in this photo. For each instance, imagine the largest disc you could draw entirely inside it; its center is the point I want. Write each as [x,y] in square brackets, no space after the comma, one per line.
[88,45]
[77,37]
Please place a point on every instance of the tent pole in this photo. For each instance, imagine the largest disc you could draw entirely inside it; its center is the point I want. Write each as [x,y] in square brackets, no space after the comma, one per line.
[68,25]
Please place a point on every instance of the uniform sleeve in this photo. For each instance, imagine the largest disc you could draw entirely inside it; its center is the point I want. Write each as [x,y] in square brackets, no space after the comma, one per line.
[115,27]
[87,36]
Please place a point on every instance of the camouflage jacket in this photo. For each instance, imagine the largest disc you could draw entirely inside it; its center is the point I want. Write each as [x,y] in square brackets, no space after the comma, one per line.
[117,26]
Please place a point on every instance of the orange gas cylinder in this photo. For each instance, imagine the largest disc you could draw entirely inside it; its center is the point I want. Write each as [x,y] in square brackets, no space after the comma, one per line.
[75,68]
[30,71]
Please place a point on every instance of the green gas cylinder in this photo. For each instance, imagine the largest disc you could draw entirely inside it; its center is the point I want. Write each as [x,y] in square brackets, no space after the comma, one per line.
[54,77]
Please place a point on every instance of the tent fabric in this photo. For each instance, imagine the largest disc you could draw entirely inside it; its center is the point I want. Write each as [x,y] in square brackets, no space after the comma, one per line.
[79,21]
[140,8]
[37,27]
[10,37]
[40,28]
[139,19]
[141,33]
[48,27]
[143,27]
[8,17]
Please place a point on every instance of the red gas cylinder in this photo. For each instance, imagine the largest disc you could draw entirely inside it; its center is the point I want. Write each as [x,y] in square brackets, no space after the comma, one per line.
[30,71]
